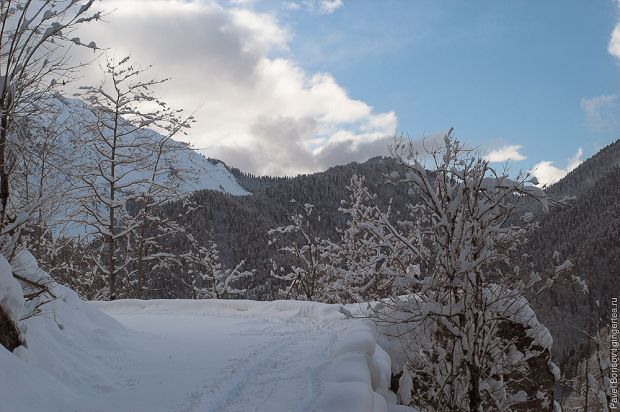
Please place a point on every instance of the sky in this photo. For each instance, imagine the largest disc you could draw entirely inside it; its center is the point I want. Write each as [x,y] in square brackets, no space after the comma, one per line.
[288,87]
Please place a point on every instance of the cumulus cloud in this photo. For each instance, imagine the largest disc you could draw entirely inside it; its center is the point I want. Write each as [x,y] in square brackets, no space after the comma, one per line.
[283,138]
[547,173]
[599,112]
[505,153]
[257,109]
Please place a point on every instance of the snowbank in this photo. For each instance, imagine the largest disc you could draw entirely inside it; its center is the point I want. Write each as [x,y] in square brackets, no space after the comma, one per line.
[62,346]
[357,377]
[11,294]
[213,307]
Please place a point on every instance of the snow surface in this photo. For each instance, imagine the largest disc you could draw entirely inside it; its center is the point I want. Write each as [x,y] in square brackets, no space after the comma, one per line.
[11,294]
[195,355]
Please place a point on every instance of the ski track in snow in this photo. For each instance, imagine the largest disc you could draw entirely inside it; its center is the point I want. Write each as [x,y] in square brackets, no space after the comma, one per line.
[232,363]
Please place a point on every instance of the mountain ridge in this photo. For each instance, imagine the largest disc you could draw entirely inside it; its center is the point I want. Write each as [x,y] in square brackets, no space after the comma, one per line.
[580,179]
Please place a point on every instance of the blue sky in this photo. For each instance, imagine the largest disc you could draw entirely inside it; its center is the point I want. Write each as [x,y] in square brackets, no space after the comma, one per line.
[503,72]
[318,82]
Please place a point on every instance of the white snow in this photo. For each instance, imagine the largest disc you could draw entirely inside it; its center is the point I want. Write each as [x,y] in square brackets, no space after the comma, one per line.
[11,294]
[405,386]
[195,355]
[554,370]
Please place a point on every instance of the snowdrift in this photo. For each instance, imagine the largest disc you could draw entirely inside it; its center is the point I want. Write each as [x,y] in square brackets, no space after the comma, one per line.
[62,346]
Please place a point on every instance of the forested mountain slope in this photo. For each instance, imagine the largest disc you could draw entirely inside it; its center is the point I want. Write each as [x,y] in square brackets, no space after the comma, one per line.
[583,178]
[588,233]
[240,224]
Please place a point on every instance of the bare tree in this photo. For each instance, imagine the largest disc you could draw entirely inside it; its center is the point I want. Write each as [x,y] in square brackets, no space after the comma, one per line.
[470,339]
[127,163]
[33,60]
[310,270]
[211,280]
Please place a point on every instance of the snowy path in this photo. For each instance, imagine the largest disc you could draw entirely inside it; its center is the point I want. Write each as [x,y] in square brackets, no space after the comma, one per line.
[195,356]
[231,362]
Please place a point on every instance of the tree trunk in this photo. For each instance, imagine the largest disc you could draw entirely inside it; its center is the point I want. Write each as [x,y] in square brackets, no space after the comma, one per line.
[141,253]
[9,335]
[474,388]
[140,273]
[112,226]
[4,174]
[111,263]
[111,247]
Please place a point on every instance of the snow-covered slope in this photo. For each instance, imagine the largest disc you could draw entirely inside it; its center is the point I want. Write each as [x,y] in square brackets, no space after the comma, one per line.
[69,127]
[202,173]
[209,175]
[189,355]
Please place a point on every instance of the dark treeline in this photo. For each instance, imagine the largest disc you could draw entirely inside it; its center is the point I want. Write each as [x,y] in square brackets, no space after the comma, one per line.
[240,224]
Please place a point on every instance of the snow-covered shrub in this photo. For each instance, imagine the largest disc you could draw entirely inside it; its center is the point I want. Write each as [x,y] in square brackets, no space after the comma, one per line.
[369,257]
[211,280]
[309,274]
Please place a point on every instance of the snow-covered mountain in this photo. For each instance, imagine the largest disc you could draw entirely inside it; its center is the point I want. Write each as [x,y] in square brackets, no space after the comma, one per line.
[210,174]
[205,173]
[70,164]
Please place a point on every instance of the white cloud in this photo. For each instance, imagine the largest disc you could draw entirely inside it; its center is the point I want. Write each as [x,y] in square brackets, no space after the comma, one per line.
[263,31]
[315,6]
[547,173]
[243,3]
[261,113]
[614,42]
[291,5]
[599,112]
[505,153]
[330,6]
